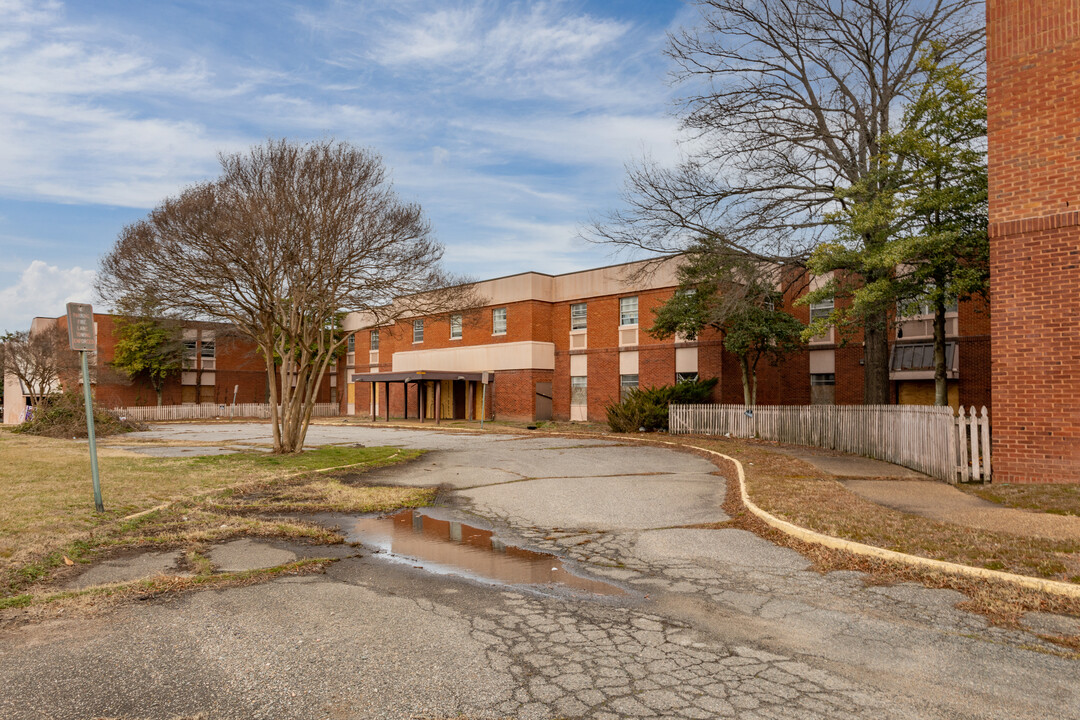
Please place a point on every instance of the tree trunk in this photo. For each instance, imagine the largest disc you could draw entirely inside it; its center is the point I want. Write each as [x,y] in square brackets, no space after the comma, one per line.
[747,397]
[876,360]
[158,389]
[941,382]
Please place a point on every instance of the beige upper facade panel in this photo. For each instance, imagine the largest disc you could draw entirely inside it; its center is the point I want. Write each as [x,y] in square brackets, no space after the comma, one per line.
[581,285]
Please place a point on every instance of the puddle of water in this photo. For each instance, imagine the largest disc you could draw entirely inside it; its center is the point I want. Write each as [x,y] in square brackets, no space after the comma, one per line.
[452,547]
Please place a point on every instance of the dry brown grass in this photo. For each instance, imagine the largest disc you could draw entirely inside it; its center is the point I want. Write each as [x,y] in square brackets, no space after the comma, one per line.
[321,495]
[802,494]
[46,498]
[1055,499]
[47,517]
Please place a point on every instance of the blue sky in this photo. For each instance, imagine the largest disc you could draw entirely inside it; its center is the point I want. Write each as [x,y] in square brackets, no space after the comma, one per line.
[510,123]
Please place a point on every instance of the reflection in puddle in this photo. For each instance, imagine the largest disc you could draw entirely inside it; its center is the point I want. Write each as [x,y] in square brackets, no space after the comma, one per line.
[450,546]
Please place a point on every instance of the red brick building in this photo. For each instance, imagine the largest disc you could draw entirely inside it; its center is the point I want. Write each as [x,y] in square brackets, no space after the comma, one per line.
[219,367]
[1033,73]
[564,346]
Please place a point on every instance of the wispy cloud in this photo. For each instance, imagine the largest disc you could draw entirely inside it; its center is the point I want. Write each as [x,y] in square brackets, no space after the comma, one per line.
[510,122]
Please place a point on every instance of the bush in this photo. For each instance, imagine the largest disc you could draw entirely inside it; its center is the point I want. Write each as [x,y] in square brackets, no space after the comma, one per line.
[64,416]
[648,408]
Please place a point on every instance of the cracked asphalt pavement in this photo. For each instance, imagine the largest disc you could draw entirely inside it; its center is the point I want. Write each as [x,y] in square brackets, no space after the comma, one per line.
[712,624]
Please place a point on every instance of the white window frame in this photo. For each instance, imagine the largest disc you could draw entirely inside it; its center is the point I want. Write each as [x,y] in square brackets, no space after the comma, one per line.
[822,309]
[624,312]
[374,339]
[579,316]
[204,357]
[455,327]
[496,320]
[190,357]
[625,386]
[418,331]
[580,383]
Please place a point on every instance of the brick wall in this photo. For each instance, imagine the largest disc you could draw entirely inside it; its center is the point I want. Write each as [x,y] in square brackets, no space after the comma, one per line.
[1033,75]
[238,365]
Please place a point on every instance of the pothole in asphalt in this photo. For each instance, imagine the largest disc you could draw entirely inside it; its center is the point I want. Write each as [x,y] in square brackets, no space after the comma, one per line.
[452,547]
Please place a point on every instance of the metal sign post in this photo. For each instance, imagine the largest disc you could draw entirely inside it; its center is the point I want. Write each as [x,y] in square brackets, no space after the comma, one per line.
[80,319]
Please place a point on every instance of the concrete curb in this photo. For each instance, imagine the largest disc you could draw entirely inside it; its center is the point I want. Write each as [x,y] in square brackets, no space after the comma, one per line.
[810,536]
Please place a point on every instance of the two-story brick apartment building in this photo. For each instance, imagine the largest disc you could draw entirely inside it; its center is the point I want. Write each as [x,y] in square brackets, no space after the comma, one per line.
[218,367]
[565,346]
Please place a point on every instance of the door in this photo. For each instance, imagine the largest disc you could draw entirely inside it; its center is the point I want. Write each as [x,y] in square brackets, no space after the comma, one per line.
[459,399]
[543,401]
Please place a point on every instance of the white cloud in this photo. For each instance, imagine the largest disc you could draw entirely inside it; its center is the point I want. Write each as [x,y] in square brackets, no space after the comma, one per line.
[43,290]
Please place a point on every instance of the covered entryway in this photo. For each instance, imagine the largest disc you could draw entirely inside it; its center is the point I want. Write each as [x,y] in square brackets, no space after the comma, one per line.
[439,395]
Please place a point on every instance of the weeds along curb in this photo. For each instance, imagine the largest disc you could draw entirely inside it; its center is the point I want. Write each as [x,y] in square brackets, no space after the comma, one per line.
[810,536]
[284,477]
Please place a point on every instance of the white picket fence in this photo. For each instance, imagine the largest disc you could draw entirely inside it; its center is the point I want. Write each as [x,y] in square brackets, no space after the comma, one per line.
[205,411]
[929,439]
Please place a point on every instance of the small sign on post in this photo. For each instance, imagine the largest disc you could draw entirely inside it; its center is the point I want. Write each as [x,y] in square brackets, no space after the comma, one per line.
[80,317]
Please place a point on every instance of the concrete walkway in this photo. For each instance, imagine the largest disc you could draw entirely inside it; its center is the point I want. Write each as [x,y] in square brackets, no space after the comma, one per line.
[945,503]
[912,492]
[713,623]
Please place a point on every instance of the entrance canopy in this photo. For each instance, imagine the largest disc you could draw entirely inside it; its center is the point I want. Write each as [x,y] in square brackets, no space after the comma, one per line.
[467,392]
[417,376]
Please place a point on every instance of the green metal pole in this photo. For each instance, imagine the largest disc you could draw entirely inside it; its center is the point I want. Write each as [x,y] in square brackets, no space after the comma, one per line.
[90,432]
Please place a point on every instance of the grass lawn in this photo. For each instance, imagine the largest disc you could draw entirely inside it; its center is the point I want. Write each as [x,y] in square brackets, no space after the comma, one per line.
[1056,499]
[47,516]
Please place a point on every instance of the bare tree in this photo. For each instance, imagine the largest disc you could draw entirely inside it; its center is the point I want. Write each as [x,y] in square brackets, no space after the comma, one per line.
[287,238]
[787,102]
[40,360]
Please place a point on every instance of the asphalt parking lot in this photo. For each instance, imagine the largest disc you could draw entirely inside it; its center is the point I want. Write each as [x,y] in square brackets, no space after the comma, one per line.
[710,623]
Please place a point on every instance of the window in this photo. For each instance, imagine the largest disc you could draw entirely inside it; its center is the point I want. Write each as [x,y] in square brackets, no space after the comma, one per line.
[821,309]
[822,379]
[418,331]
[455,327]
[579,316]
[628,311]
[579,391]
[922,306]
[207,353]
[375,338]
[627,383]
[686,377]
[350,344]
[498,321]
[191,351]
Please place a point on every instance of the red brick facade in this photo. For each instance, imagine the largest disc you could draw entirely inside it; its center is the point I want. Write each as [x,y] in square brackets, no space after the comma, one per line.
[238,371]
[1033,73]
[514,392]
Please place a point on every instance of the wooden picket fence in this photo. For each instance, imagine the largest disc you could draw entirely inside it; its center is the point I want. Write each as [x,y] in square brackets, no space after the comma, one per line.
[206,411]
[932,440]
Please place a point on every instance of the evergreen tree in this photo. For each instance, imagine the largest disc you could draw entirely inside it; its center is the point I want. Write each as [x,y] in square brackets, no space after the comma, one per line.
[729,294]
[916,229]
[148,349]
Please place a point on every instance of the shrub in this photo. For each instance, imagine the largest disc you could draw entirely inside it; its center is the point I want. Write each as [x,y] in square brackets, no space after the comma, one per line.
[64,416]
[648,407]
